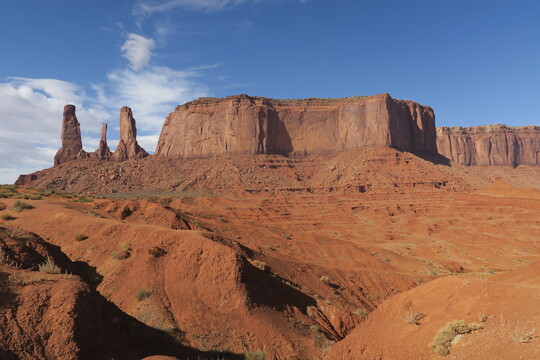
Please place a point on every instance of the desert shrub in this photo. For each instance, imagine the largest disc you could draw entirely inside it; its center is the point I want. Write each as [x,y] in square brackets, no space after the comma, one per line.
[17,279]
[2,195]
[255,355]
[413,317]
[7,216]
[325,279]
[261,265]
[18,234]
[143,294]
[361,312]
[4,260]
[121,255]
[49,267]
[21,205]
[126,247]
[35,197]
[80,237]
[521,335]
[442,342]
[83,198]
[157,251]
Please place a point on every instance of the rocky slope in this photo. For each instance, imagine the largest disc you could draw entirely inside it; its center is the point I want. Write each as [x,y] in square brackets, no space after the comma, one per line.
[499,145]
[254,125]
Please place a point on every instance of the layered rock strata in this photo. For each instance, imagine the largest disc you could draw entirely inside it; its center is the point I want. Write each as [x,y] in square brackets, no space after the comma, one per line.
[128,147]
[254,125]
[498,145]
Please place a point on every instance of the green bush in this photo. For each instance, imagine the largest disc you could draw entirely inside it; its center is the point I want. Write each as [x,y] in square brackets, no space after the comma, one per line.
[7,216]
[21,205]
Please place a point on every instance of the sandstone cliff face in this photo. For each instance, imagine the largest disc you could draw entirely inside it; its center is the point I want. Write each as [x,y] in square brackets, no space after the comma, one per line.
[253,125]
[128,148]
[498,145]
[71,138]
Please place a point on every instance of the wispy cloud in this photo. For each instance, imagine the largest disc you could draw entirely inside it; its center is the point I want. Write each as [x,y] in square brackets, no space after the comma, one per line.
[148,7]
[138,50]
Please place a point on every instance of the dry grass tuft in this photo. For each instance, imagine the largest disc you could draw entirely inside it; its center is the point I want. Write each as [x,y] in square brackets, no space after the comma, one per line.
[442,342]
[49,267]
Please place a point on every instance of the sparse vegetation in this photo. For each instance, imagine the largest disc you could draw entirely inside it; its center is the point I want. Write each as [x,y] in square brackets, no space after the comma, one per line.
[261,265]
[325,279]
[522,335]
[18,233]
[442,342]
[121,255]
[410,314]
[361,312]
[21,205]
[17,279]
[49,267]
[143,294]
[7,216]
[157,252]
[80,237]
[414,317]
[255,355]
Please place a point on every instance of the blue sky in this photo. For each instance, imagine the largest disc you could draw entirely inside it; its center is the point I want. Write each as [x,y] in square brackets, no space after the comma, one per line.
[475,62]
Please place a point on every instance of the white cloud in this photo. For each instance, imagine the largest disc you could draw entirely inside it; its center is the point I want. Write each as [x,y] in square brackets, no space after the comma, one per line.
[138,50]
[31,122]
[151,93]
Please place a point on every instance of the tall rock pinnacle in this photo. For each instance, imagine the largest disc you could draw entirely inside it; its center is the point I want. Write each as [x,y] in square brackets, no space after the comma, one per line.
[71,138]
[102,152]
[128,148]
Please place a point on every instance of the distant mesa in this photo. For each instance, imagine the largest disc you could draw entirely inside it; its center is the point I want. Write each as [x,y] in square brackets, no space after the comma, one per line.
[71,149]
[498,145]
[243,124]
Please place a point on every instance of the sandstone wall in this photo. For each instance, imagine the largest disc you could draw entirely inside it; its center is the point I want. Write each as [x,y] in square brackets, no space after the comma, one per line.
[254,125]
[499,145]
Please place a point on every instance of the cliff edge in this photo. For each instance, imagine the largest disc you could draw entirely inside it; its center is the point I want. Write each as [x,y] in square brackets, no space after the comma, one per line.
[243,124]
[498,145]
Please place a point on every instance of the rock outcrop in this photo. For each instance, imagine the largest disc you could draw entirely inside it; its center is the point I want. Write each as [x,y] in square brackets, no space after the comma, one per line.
[103,152]
[498,145]
[128,148]
[254,125]
[71,138]
[72,149]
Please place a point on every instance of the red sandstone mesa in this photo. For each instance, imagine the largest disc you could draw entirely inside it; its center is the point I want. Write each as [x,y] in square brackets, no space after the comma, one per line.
[254,125]
[499,145]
